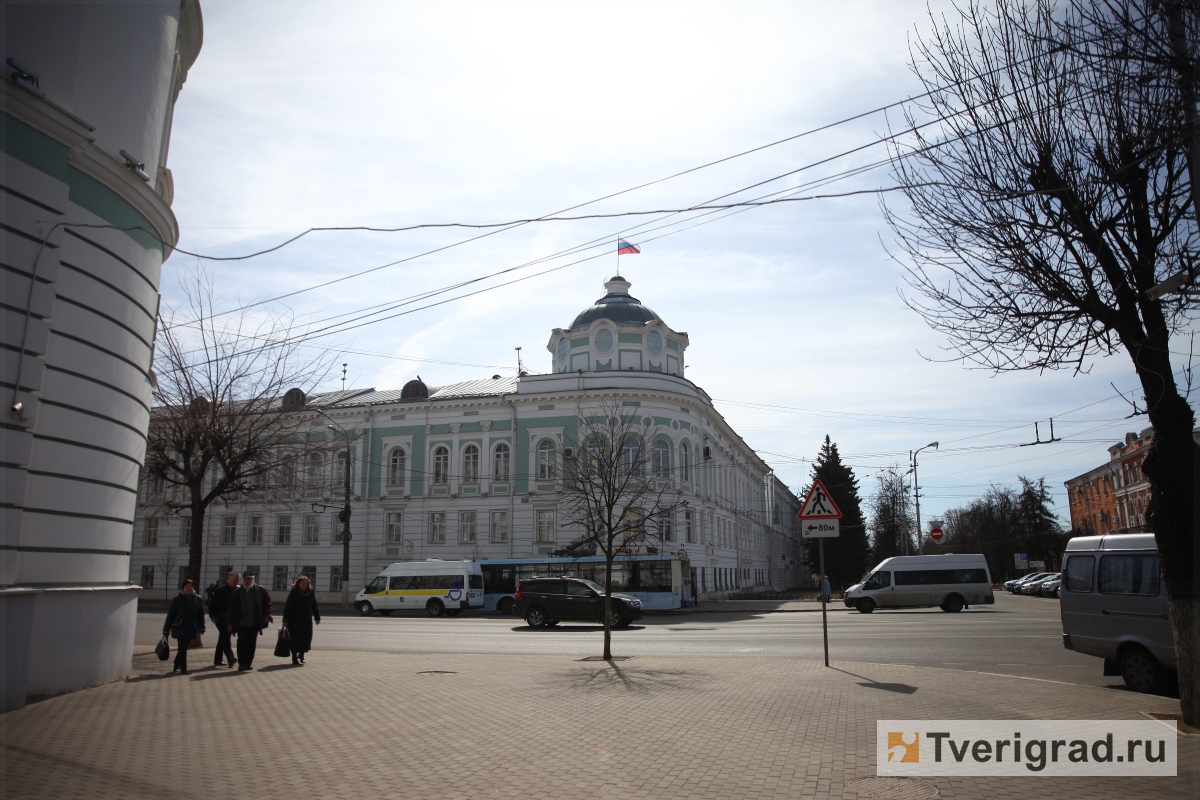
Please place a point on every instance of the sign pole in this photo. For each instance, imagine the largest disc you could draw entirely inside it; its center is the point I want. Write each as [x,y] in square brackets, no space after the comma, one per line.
[824,599]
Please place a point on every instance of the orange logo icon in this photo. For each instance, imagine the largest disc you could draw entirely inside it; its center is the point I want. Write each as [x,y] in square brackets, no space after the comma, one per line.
[909,752]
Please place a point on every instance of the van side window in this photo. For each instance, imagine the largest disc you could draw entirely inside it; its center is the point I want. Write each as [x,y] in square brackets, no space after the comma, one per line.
[1129,575]
[476,581]
[880,580]
[1077,577]
[400,582]
[929,577]
[378,585]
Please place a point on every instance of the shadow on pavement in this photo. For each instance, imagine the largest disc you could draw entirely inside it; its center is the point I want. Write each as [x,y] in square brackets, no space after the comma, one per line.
[277,667]
[611,675]
[871,683]
[575,628]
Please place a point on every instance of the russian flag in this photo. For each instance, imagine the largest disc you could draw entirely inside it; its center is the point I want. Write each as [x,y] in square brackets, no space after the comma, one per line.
[624,248]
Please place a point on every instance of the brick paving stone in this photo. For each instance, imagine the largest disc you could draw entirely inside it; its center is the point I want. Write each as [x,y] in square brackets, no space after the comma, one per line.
[358,725]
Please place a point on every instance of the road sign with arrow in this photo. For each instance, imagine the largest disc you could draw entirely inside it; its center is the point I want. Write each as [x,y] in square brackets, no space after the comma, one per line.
[819,516]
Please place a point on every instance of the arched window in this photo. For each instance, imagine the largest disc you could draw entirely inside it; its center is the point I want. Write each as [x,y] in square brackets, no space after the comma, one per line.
[441,465]
[545,459]
[631,456]
[396,466]
[500,472]
[471,464]
[661,460]
[685,461]
[314,470]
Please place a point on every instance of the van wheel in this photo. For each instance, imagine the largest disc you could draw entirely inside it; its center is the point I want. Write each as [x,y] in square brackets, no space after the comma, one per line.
[505,606]
[435,608]
[866,605]
[1141,671]
[536,617]
[953,604]
[366,609]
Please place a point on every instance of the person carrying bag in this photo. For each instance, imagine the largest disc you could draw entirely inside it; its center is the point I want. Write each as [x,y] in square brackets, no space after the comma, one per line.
[282,644]
[185,623]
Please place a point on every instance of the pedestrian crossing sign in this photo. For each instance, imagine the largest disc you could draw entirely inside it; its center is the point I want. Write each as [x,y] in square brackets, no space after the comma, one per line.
[818,504]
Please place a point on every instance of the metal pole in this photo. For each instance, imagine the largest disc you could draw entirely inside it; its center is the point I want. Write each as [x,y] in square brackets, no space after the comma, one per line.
[346,535]
[917,493]
[824,622]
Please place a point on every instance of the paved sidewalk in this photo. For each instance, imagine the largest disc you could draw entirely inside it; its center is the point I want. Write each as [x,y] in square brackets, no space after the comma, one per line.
[380,725]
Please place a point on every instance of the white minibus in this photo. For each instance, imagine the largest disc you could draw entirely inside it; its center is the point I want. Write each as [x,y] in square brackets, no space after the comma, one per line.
[439,587]
[952,581]
[1114,606]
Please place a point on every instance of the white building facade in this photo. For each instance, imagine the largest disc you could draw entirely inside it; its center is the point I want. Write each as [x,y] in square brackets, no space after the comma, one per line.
[86,230]
[470,471]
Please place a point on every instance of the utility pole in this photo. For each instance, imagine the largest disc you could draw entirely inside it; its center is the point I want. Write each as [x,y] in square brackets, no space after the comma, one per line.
[346,533]
[917,493]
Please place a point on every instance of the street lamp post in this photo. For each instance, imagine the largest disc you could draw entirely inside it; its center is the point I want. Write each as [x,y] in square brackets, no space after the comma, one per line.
[345,515]
[917,493]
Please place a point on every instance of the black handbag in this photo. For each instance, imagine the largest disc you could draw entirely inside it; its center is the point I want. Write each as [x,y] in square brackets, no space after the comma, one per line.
[162,649]
[283,647]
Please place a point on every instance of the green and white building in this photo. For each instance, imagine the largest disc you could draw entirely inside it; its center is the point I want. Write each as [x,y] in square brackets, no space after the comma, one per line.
[88,95]
[469,470]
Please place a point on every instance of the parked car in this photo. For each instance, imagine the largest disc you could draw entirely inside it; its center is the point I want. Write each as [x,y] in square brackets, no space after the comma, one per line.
[547,601]
[1114,607]
[1019,584]
[1049,587]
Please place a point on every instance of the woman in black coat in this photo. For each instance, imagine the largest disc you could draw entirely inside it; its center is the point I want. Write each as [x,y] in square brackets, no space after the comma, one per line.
[185,621]
[298,615]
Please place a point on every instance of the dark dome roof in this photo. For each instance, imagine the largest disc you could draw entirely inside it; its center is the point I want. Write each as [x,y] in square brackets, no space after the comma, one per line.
[415,390]
[617,306]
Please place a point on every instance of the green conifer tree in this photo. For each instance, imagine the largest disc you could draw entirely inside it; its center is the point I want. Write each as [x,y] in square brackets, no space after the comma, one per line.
[845,556]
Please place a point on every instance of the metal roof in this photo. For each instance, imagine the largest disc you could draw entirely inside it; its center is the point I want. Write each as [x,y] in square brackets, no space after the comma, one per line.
[616,306]
[486,387]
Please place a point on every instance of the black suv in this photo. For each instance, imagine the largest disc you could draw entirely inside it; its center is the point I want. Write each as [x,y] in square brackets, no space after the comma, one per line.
[548,601]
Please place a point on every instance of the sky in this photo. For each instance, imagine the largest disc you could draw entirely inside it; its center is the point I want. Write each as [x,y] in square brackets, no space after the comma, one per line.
[391,114]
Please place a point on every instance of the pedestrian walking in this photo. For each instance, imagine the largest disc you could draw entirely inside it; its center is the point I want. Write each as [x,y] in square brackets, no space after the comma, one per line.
[249,615]
[299,613]
[218,612]
[825,589]
[185,621]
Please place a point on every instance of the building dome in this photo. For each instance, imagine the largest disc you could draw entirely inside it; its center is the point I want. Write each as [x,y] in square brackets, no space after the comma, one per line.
[616,306]
[415,390]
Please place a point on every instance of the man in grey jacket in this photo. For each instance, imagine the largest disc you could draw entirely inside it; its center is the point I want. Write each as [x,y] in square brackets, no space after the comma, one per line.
[249,614]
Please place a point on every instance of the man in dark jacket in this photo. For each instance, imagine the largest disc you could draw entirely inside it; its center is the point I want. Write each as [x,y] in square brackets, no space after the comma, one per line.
[218,606]
[249,614]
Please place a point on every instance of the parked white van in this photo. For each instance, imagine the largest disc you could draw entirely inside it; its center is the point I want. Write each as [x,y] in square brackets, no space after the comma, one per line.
[1114,606]
[439,587]
[953,581]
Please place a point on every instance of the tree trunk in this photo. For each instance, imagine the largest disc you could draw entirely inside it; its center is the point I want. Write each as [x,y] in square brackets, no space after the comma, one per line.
[1168,466]
[196,544]
[608,565]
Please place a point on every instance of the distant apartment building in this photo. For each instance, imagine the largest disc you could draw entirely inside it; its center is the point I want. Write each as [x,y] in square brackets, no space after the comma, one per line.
[1112,497]
[88,95]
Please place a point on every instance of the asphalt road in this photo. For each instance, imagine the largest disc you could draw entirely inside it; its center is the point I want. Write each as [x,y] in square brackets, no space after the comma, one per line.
[1018,636]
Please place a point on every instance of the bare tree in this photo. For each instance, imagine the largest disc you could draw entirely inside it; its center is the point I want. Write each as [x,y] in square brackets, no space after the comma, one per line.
[891,517]
[225,424]
[1054,195]
[615,490]
[167,562]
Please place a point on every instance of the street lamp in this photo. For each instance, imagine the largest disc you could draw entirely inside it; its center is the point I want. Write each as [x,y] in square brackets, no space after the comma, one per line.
[917,492]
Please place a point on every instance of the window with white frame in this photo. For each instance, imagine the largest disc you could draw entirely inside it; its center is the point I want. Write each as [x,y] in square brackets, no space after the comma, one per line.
[283,529]
[157,483]
[281,578]
[256,530]
[185,532]
[229,531]
[397,462]
[545,460]
[500,471]
[437,527]
[441,465]
[660,461]
[395,529]
[147,577]
[685,461]
[688,530]
[338,527]
[309,571]
[471,464]
[666,526]
[339,471]
[545,526]
[315,470]
[312,528]
[335,579]
[150,533]
[631,456]
[466,527]
[499,528]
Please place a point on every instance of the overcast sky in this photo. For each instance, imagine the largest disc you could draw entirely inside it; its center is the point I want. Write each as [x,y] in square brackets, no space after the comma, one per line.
[303,114]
